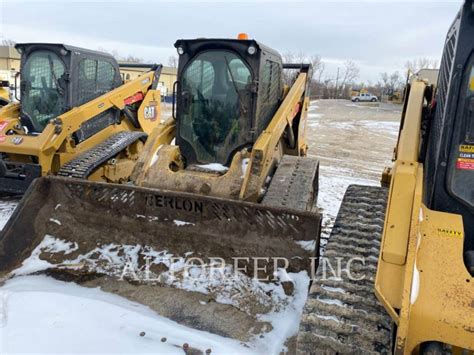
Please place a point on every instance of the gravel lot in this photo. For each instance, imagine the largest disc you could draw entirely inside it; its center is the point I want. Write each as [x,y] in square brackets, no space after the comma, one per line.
[353,142]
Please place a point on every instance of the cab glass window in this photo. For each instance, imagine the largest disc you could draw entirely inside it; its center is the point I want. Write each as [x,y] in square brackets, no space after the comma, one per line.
[215,104]
[43,88]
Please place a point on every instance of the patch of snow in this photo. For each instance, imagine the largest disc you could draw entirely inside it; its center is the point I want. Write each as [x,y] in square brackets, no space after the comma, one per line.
[6,210]
[182,223]
[315,115]
[3,308]
[309,245]
[335,319]
[286,322]
[57,206]
[49,316]
[155,156]
[245,165]
[331,301]
[55,221]
[333,289]
[214,167]
[49,244]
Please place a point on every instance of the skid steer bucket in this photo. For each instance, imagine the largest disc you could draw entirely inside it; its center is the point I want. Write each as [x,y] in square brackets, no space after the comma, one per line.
[88,227]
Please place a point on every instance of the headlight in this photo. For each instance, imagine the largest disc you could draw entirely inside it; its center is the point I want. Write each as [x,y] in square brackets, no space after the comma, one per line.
[180,50]
[252,50]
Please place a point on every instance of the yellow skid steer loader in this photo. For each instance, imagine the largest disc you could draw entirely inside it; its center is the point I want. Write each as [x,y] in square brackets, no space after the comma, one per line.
[237,183]
[74,118]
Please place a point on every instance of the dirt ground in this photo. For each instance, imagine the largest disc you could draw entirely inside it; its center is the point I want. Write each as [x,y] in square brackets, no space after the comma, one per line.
[353,143]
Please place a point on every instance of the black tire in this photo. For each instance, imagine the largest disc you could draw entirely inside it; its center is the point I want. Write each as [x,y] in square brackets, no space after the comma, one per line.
[356,100]
[373,99]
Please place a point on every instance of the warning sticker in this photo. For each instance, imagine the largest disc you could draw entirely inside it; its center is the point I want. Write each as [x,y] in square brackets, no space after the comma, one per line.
[465,165]
[466,148]
[471,84]
[465,158]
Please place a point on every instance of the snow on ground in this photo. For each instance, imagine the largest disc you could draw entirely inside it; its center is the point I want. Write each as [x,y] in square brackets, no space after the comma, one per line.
[59,311]
[214,167]
[353,144]
[7,206]
[43,315]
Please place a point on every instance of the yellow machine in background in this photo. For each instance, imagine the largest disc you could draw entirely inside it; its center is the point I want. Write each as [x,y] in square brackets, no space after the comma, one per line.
[236,181]
[75,118]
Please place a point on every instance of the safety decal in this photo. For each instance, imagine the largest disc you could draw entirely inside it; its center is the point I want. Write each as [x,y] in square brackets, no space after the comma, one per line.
[465,158]
[471,84]
[150,112]
[449,232]
[466,148]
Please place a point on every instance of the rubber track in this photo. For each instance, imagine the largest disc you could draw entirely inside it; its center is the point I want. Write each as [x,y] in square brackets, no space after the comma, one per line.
[82,166]
[342,315]
[294,184]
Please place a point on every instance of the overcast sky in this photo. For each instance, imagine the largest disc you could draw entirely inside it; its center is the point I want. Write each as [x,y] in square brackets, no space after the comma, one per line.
[378,35]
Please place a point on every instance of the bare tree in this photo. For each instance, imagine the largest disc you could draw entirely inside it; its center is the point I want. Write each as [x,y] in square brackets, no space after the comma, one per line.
[317,65]
[8,42]
[350,73]
[395,81]
[385,79]
[132,59]
[129,58]
[173,61]
[417,64]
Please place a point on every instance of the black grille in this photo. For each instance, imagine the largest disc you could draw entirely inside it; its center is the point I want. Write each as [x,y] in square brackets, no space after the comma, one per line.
[95,125]
[445,72]
[96,77]
[439,121]
[269,92]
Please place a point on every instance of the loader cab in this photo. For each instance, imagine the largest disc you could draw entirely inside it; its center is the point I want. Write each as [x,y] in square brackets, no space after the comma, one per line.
[228,91]
[57,77]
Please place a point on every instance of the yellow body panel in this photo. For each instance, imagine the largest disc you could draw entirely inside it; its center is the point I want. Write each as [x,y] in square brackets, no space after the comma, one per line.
[54,146]
[440,303]
[263,152]
[394,247]
[421,277]
[5,93]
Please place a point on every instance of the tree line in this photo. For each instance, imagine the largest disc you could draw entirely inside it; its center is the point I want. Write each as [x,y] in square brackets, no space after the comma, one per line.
[345,80]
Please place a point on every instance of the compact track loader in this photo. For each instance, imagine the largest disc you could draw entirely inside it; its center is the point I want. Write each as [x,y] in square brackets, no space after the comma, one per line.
[416,237]
[74,118]
[236,186]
